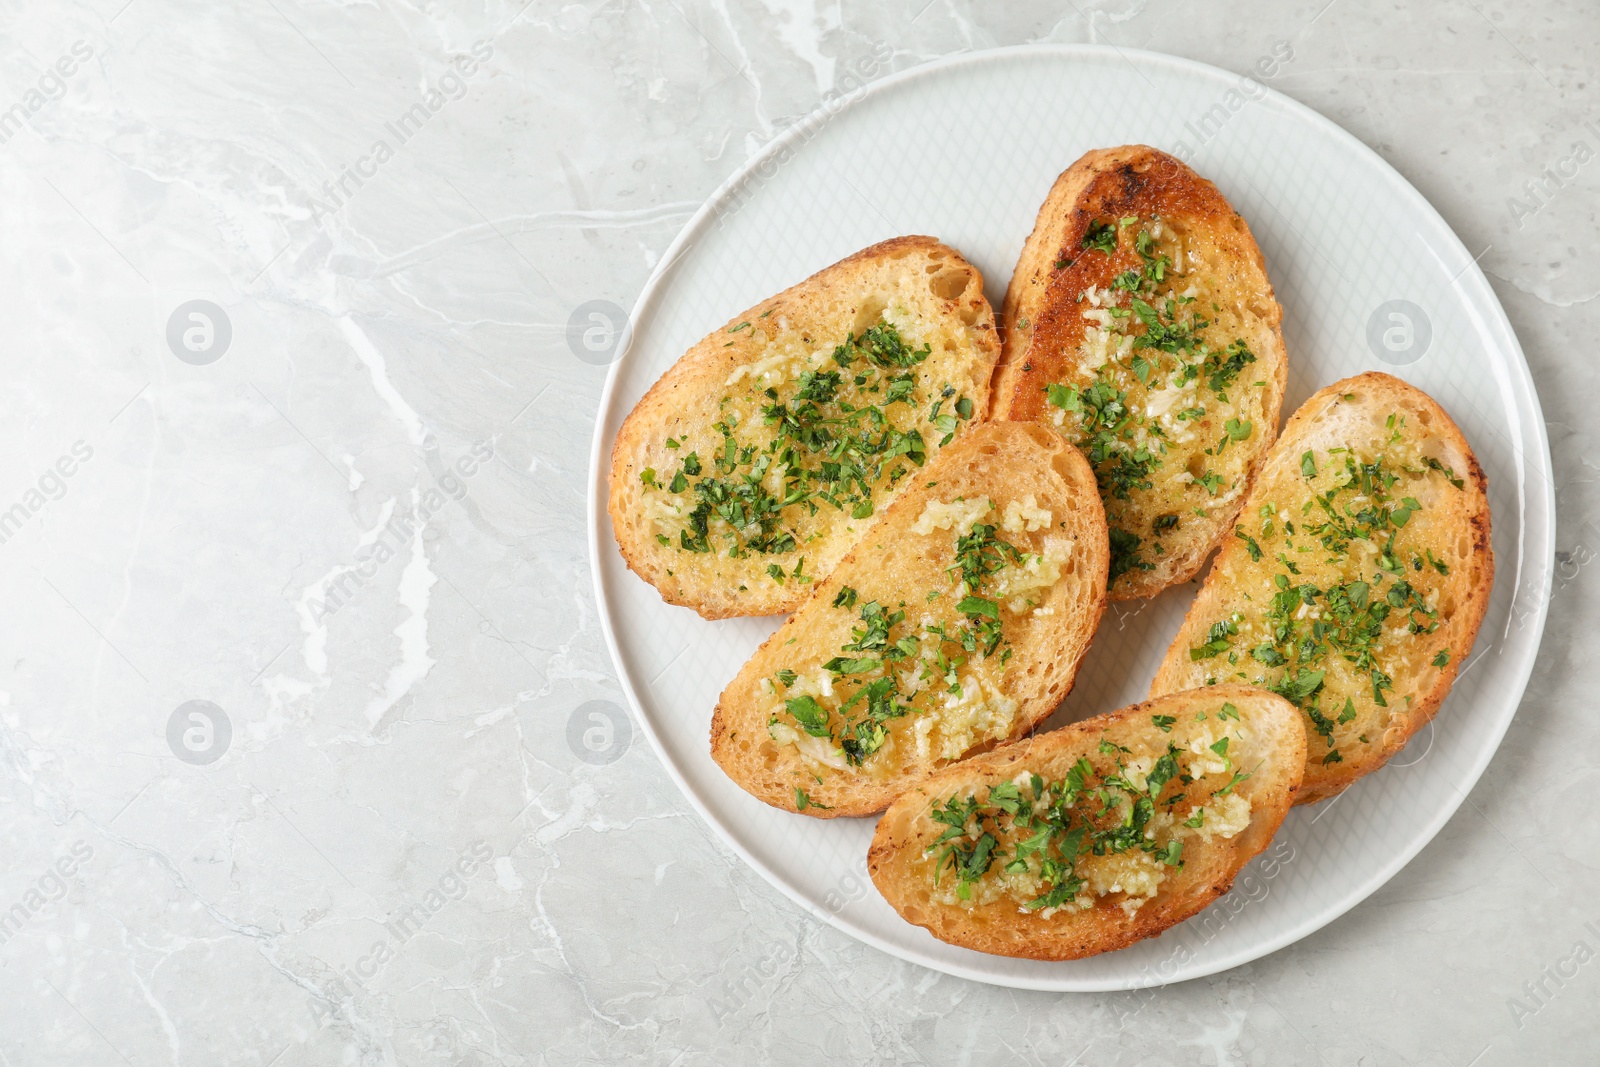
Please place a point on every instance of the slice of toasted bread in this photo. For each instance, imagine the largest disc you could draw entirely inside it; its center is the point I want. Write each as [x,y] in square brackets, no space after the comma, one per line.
[1140,323]
[1356,596]
[760,457]
[1148,814]
[956,624]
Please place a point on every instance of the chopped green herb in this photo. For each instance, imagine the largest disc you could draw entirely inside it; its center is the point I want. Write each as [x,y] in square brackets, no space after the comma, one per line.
[1101,235]
[1223,367]
[802,801]
[1238,776]
[812,717]
[1218,640]
[1124,556]
[1433,464]
[832,452]
[1250,543]
[1236,430]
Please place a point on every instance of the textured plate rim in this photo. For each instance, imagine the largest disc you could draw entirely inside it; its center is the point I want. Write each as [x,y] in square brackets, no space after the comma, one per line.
[1476,292]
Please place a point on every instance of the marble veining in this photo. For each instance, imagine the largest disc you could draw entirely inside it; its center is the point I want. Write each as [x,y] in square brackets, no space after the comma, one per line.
[311,751]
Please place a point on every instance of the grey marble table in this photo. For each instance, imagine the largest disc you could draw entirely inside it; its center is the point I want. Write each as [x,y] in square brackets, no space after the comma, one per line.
[297,759]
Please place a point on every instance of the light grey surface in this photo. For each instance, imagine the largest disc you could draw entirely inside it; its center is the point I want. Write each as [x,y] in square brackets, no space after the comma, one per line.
[404,697]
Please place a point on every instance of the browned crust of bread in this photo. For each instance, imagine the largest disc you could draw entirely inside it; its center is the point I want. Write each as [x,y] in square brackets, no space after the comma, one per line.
[1039,675]
[1458,631]
[662,411]
[1117,182]
[1001,928]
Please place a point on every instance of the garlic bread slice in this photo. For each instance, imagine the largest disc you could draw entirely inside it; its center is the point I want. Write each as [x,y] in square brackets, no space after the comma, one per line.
[956,624]
[1141,324]
[758,459]
[1092,837]
[1355,580]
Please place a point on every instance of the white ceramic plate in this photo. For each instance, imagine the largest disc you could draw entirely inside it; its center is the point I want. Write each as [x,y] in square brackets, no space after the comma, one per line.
[965,150]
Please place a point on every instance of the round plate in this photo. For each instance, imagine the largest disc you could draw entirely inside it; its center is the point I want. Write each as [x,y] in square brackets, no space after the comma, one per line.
[1370,277]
